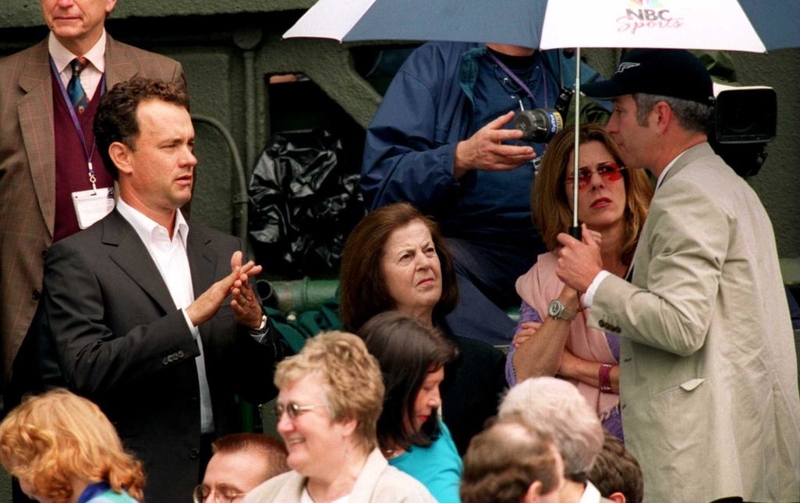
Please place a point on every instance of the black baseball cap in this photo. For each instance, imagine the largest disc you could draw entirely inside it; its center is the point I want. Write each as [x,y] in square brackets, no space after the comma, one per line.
[676,73]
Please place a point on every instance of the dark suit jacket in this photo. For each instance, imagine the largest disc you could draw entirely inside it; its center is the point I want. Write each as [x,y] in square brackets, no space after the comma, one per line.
[122,343]
[472,387]
[27,174]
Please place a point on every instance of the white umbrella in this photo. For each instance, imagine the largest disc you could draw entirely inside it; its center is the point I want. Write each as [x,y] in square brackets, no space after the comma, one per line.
[735,25]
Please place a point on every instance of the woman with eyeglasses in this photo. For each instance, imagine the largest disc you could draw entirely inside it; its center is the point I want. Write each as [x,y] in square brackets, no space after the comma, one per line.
[330,398]
[552,337]
[411,436]
[62,448]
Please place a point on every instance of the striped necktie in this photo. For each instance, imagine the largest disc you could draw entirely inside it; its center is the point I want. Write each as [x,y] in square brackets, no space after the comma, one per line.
[75,90]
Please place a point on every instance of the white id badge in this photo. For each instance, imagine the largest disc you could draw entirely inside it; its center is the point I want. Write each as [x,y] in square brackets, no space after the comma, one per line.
[91,206]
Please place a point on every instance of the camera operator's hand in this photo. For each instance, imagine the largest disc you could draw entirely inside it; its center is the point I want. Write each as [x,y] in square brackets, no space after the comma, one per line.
[485,150]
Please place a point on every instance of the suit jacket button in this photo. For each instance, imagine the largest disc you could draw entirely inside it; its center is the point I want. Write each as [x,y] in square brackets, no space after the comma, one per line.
[165,361]
[180,354]
[194,453]
[602,324]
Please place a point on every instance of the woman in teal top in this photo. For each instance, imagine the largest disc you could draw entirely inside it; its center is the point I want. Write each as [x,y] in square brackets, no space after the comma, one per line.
[412,357]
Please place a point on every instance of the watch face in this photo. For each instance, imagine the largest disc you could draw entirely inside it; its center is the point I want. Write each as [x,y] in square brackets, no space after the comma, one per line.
[554,309]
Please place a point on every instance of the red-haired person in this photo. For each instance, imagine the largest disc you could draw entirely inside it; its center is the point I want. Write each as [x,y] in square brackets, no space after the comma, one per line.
[63,449]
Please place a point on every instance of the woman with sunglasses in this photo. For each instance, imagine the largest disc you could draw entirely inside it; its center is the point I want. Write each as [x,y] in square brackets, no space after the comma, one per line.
[552,337]
[413,357]
[330,397]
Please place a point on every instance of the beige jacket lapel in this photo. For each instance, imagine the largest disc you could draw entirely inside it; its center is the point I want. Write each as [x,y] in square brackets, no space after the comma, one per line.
[119,66]
[35,111]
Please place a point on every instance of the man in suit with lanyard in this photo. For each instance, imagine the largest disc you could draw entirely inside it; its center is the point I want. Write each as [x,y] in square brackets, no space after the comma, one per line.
[708,379]
[152,318]
[52,180]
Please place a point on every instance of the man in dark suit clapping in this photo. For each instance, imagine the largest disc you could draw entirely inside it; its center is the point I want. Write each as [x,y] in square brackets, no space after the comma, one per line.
[153,319]
[52,181]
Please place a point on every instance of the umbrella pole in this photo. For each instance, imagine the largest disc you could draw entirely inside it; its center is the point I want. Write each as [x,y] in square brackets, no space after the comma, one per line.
[575,230]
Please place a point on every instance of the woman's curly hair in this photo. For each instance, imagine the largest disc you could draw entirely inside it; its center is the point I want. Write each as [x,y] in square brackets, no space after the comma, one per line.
[56,437]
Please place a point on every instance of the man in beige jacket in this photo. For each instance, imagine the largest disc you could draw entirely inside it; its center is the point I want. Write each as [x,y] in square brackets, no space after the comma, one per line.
[708,379]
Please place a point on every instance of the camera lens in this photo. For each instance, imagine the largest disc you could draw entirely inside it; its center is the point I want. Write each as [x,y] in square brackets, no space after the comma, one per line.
[539,125]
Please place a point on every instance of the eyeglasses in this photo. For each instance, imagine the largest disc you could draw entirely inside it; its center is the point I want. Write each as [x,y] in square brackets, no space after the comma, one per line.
[222,494]
[292,409]
[609,172]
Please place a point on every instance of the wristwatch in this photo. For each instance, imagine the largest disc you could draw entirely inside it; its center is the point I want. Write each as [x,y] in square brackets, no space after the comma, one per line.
[262,327]
[557,310]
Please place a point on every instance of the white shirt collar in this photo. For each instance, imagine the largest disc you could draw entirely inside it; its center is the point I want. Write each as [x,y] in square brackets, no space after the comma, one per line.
[145,226]
[62,56]
[590,494]
[666,170]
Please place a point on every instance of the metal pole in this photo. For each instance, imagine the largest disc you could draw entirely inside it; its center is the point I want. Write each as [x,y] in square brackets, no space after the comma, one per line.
[240,199]
[575,230]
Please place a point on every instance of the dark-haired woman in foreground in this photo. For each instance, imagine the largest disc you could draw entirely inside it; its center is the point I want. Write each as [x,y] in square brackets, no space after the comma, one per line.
[412,358]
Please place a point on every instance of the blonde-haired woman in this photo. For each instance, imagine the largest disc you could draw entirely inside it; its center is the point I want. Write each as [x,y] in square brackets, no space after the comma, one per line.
[331,395]
[63,449]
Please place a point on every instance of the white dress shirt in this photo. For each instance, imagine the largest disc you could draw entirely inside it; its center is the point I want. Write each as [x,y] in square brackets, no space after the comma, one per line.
[590,494]
[169,255]
[91,75]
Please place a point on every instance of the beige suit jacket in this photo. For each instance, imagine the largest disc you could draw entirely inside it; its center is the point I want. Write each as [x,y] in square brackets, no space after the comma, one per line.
[708,377]
[27,174]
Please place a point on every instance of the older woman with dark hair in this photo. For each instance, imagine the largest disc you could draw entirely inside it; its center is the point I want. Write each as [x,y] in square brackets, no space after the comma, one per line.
[412,357]
[366,289]
[396,259]
[552,337]
[331,395]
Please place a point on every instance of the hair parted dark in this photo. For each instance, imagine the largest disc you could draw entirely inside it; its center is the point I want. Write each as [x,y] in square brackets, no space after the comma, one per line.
[407,352]
[273,450]
[363,292]
[116,119]
[552,213]
[616,470]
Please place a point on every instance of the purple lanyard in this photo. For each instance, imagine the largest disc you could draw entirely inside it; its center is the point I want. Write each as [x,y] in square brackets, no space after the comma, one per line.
[75,122]
[517,79]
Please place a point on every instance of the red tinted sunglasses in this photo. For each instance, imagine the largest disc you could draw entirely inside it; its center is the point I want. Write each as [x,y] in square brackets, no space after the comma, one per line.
[609,172]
